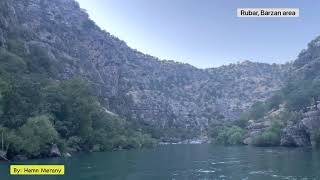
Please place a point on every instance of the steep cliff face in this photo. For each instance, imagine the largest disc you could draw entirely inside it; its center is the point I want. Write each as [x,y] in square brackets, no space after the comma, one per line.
[161,94]
[244,83]
[306,69]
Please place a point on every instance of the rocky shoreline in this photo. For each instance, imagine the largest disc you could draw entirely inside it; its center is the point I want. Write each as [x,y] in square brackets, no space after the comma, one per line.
[294,134]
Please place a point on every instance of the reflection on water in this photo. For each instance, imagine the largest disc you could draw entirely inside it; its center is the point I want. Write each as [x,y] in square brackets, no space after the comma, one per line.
[175,162]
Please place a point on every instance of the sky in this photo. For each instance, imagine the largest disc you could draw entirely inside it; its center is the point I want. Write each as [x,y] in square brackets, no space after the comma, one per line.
[207,33]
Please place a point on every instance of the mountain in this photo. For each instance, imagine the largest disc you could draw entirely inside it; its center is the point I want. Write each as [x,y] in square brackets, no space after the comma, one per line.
[165,98]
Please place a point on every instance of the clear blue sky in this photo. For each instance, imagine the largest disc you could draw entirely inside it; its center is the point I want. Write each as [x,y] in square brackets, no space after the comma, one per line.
[207,33]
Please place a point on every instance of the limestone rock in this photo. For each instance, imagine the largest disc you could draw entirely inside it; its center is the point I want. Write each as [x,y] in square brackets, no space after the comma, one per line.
[295,136]
[311,121]
[67,154]
[55,152]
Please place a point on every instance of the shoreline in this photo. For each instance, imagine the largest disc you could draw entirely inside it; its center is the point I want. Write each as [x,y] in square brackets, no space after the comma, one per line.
[186,142]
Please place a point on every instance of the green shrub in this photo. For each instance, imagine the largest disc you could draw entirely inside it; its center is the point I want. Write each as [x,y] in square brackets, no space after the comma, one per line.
[275,101]
[74,143]
[37,135]
[270,137]
[301,94]
[230,135]
[267,138]
[242,121]
[258,110]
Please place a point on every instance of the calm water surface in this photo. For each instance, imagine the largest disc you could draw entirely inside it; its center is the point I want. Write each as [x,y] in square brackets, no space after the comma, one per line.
[175,162]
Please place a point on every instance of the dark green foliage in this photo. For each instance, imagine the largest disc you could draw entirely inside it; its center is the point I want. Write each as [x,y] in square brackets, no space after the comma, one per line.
[270,137]
[40,62]
[72,105]
[274,101]
[298,99]
[37,135]
[302,94]
[33,139]
[228,135]
[242,122]
[77,121]
[23,99]
[258,110]
[214,131]
[37,112]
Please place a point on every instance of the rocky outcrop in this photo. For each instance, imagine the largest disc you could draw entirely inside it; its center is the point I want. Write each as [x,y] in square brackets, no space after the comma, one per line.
[246,82]
[300,134]
[311,120]
[55,151]
[67,155]
[295,135]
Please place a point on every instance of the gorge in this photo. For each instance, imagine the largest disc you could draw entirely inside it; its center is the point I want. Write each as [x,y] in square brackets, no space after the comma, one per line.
[171,101]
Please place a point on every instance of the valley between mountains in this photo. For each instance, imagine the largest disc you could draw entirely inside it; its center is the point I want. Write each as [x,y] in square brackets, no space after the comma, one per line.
[80,88]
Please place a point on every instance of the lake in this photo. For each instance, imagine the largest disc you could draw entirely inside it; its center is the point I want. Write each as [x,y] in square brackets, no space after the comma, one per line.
[175,162]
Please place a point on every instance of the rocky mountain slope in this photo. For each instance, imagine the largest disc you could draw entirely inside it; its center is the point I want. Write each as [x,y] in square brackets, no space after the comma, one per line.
[153,93]
[297,108]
